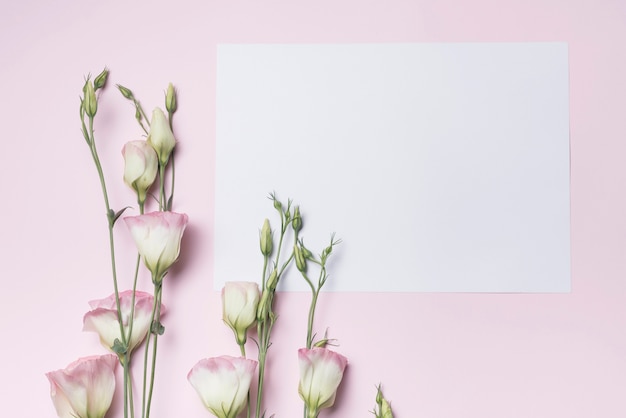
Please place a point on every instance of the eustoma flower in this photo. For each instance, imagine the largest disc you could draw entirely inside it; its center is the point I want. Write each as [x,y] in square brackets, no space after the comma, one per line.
[321,371]
[223,383]
[157,236]
[239,305]
[140,167]
[85,388]
[103,318]
[161,137]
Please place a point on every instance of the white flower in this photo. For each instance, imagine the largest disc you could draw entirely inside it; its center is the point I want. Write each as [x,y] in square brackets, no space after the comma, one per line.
[161,137]
[239,305]
[140,167]
[321,371]
[157,236]
[223,383]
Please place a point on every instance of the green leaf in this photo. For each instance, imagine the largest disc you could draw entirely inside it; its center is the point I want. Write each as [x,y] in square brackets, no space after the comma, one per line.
[118,347]
[157,328]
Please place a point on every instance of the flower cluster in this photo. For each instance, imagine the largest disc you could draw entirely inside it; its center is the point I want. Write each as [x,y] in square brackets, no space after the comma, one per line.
[249,307]
[129,318]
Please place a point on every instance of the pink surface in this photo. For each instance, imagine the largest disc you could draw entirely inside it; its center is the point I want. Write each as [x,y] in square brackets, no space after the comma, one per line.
[438,355]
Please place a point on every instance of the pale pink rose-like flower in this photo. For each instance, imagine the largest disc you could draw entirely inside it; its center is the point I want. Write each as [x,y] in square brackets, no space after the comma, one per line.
[239,305]
[103,320]
[85,388]
[157,236]
[223,383]
[161,137]
[321,371]
[140,167]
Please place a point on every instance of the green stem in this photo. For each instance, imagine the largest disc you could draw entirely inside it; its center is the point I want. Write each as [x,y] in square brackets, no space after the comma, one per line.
[309,334]
[156,321]
[242,349]
[262,354]
[170,202]
[110,221]
[162,202]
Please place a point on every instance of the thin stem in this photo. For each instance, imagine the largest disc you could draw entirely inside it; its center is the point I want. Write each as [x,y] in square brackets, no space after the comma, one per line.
[110,222]
[156,321]
[162,202]
[309,334]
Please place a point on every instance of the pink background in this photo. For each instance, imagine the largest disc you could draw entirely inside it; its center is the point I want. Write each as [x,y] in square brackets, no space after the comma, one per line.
[438,355]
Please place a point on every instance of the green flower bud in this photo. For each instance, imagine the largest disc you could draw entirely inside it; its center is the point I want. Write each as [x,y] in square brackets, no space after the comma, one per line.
[306,253]
[264,307]
[277,204]
[272,281]
[379,396]
[266,241]
[300,260]
[296,223]
[101,79]
[125,92]
[321,343]
[385,409]
[170,99]
[90,102]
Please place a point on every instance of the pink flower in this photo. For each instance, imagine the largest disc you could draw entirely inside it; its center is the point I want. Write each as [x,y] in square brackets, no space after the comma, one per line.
[140,167]
[239,304]
[85,388]
[157,236]
[223,383]
[103,318]
[321,371]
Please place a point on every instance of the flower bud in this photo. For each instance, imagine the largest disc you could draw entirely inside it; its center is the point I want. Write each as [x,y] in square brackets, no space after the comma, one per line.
[170,99]
[306,253]
[161,136]
[379,396]
[266,241]
[272,281]
[140,167]
[125,92]
[90,102]
[263,309]
[300,260]
[101,79]
[296,223]
[385,409]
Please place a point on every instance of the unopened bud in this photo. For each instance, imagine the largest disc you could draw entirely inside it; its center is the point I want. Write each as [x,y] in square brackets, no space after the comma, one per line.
[170,99]
[266,238]
[263,308]
[300,260]
[321,343]
[277,204]
[272,281]
[125,92]
[306,253]
[90,102]
[101,79]
[385,409]
[296,223]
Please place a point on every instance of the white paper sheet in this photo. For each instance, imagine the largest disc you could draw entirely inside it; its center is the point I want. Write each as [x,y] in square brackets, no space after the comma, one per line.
[442,167]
